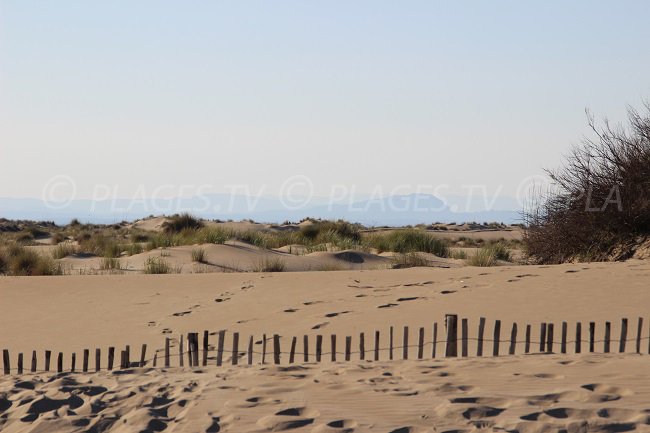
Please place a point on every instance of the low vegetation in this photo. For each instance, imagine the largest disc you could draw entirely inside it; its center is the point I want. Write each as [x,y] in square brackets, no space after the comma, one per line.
[489,255]
[158,265]
[16,259]
[599,208]
[270,264]
[198,255]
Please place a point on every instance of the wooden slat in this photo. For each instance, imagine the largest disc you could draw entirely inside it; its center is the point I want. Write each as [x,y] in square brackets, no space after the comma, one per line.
[639,331]
[333,340]
[6,361]
[527,345]
[180,351]
[319,347]
[348,347]
[390,344]
[292,352]
[592,336]
[20,363]
[405,343]
[563,341]
[98,359]
[578,347]
[549,337]
[250,350]
[421,344]
[276,349]
[235,348]
[73,362]
[222,342]
[481,333]
[623,340]
[111,357]
[143,355]
[48,357]
[59,363]
[206,346]
[435,339]
[608,330]
[305,348]
[84,366]
[34,362]
[167,364]
[362,346]
[513,340]
[497,338]
[376,358]
[542,337]
[464,332]
[451,347]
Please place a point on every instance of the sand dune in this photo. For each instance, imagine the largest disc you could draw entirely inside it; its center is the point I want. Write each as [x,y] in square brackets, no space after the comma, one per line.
[525,393]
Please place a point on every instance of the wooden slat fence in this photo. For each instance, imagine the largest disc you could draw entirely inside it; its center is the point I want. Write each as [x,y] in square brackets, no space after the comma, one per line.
[384,346]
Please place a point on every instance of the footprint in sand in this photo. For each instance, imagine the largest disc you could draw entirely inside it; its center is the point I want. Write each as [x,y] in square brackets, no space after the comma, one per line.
[288,419]
[320,325]
[221,299]
[182,313]
[447,292]
[290,310]
[389,305]
[411,298]
[336,314]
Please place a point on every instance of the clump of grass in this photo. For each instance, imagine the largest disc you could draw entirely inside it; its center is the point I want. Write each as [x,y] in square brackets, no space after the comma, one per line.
[267,264]
[158,265]
[408,241]
[110,264]
[483,257]
[63,250]
[184,221]
[132,249]
[489,255]
[198,255]
[57,238]
[458,254]
[22,261]
[409,260]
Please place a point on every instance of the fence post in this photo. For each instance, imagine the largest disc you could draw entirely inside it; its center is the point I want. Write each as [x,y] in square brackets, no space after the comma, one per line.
[435,339]
[206,336]
[542,337]
[34,362]
[497,338]
[195,349]
[608,330]
[20,363]
[143,355]
[527,346]
[564,331]
[362,346]
[292,353]
[405,343]
[578,337]
[73,363]
[481,332]
[48,356]
[390,344]
[111,357]
[622,343]
[348,347]
[592,336]
[250,350]
[190,349]
[84,365]
[155,358]
[127,355]
[305,347]
[513,339]
[59,363]
[166,352]
[376,345]
[319,347]
[6,361]
[464,336]
[220,344]
[639,330]
[98,359]
[180,351]
[276,349]
[549,335]
[235,348]
[451,349]
[333,339]
[421,344]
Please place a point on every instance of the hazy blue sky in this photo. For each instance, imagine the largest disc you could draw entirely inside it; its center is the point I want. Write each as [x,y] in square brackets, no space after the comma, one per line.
[363,93]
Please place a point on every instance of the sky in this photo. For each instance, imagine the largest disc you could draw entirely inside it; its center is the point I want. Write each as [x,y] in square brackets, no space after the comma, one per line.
[128,97]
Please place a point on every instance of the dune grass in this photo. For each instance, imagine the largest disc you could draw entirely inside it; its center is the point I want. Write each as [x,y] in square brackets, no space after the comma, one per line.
[63,250]
[198,255]
[270,264]
[489,255]
[18,260]
[408,241]
[158,265]
[110,264]
[409,260]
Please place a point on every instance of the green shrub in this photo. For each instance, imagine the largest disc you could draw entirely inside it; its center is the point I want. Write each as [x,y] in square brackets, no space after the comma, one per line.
[409,260]
[184,221]
[483,258]
[267,264]
[408,241]
[158,265]
[198,255]
[23,262]
[63,250]
[109,264]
